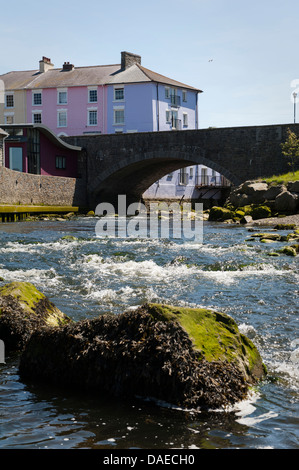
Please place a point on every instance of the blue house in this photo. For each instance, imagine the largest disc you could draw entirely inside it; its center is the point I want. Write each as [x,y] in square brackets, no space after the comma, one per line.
[140,100]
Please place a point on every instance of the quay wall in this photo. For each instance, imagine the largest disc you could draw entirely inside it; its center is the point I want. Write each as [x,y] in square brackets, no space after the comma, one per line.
[26,188]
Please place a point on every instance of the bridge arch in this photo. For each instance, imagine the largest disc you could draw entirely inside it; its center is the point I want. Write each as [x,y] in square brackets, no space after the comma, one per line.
[133,175]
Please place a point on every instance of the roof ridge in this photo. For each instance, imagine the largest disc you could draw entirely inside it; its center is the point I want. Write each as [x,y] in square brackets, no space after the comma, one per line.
[142,70]
[166,79]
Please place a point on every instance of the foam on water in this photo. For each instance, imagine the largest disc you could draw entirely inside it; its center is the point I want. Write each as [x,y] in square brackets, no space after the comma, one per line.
[39,277]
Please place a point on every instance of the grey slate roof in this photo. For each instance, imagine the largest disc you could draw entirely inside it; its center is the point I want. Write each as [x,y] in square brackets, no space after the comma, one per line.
[86,76]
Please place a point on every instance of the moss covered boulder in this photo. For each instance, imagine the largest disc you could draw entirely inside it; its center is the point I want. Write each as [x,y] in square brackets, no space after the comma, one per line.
[261,212]
[188,357]
[24,309]
[289,250]
[220,214]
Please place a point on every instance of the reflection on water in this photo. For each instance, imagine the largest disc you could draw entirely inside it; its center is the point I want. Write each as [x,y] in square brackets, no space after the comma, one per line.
[86,276]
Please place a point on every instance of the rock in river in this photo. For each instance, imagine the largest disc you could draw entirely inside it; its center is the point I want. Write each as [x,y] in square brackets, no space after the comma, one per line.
[187,357]
[24,309]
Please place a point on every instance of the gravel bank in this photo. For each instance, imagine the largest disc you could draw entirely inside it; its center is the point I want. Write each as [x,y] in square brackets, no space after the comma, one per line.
[272,221]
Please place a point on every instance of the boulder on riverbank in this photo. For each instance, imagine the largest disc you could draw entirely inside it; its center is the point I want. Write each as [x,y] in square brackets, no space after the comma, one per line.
[24,309]
[280,197]
[187,357]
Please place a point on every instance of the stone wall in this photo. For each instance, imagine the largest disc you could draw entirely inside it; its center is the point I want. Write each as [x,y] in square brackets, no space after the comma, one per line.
[1,151]
[25,188]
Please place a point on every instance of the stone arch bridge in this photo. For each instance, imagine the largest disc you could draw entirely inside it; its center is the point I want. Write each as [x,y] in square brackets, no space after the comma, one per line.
[129,163]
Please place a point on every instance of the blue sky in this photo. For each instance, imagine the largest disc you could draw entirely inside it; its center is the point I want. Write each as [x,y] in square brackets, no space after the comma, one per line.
[243,55]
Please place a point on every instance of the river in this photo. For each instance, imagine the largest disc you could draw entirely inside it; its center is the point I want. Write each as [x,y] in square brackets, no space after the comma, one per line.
[86,276]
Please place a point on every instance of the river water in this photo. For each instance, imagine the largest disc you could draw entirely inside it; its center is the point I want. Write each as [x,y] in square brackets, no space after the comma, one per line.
[86,276]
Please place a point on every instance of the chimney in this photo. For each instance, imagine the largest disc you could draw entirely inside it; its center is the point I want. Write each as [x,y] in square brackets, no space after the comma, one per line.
[45,65]
[128,59]
[67,67]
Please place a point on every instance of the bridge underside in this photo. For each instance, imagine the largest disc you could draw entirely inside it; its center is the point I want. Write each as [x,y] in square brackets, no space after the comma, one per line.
[134,179]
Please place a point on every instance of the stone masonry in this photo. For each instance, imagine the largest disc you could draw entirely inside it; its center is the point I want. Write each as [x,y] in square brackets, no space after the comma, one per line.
[129,163]
[25,188]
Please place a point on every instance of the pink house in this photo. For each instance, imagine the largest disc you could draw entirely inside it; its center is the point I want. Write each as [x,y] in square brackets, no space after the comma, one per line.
[34,148]
[69,100]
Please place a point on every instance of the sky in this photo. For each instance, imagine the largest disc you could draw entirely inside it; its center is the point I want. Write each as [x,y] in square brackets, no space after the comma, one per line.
[243,55]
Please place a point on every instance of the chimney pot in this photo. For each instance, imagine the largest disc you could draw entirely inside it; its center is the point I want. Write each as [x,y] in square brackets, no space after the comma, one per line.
[45,64]
[67,67]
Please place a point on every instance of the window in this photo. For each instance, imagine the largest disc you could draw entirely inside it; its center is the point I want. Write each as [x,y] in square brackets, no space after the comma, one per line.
[175,100]
[167,94]
[119,94]
[191,174]
[9,119]
[33,151]
[36,98]
[60,162]
[62,118]
[185,119]
[62,97]
[172,118]
[37,118]
[9,101]
[93,96]
[16,158]
[184,93]
[183,176]
[119,116]
[92,117]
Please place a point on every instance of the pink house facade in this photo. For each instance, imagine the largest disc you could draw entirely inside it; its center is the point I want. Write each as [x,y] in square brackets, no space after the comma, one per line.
[72,110]
[33,148]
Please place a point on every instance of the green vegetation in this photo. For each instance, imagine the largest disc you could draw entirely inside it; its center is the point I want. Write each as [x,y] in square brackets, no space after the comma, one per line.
[33,302]
[290,149]
[283,179]
[215,336]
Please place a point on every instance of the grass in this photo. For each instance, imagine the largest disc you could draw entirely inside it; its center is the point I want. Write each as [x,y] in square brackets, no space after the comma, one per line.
[280,179]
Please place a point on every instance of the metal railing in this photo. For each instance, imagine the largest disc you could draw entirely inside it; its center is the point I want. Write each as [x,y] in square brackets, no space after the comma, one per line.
[208,180]
[176,124]
[175,100]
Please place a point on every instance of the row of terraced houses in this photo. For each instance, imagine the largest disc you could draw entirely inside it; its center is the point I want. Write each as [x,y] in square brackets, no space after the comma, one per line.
[125,97]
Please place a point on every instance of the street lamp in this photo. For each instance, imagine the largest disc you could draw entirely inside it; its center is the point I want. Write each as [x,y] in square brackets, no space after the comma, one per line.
[295,96]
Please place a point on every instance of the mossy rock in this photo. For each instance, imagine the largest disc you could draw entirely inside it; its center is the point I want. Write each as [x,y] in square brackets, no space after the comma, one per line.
[23,309]
[188,357]
[247,209]
[214,335]
[220,214]
[267,236]
[285,227]
[261,212]
[288,250]
[69,237]
[292,236]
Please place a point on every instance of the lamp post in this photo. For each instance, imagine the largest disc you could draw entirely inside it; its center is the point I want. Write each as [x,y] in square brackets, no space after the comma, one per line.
[295,96]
